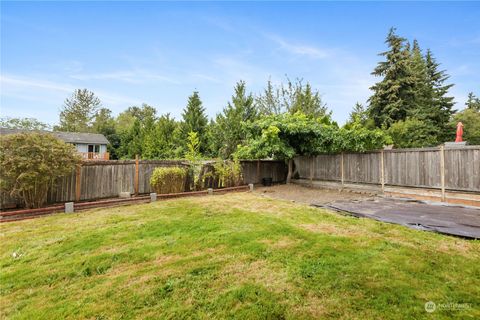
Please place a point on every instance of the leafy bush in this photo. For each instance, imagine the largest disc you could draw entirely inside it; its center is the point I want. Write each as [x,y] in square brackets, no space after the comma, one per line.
[228,173]
[168,180]
[194,156]
[413,133]
[471,121]
[30,162]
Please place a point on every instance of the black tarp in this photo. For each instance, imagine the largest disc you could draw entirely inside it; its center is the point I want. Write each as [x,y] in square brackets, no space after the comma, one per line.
[447,219]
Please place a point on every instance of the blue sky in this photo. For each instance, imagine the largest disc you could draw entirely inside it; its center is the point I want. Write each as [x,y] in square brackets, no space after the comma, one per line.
[160,52]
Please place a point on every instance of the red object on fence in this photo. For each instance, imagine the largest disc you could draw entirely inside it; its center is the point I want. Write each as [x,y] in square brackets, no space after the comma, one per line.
[459,132]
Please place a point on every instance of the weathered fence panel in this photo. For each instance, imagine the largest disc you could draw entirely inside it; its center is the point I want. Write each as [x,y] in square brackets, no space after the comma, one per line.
[362,167]
[106,179]
[255,170]
[415,168]
[462,169]
[302,167]
[327,167]
[402,167]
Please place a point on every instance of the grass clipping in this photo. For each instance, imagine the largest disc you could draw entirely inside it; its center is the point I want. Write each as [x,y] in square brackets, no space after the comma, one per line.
[168,180]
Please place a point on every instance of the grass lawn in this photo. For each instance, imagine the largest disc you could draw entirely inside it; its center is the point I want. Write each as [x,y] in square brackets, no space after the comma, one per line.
[232,256]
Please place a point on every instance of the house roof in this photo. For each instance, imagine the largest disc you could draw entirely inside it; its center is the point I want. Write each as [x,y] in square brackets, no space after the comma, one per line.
[70,137]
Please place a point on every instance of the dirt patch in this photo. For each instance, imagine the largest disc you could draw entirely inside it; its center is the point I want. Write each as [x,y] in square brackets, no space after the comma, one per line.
[302,194]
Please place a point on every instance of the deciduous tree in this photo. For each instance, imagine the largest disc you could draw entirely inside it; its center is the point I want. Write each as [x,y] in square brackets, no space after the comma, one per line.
[30,162]
[23,123]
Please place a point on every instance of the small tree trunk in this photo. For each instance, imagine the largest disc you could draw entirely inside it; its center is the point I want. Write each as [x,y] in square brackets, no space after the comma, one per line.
[290,167]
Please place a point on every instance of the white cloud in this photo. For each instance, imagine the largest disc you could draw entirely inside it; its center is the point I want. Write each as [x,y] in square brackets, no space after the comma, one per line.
[48,92]
[205,77]
[15,83]
[130,76]
[299,49]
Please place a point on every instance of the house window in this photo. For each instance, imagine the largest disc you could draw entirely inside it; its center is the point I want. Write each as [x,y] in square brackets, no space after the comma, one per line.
[94,148]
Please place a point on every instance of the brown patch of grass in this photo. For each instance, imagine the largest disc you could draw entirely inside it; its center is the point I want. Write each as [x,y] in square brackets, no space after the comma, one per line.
[247,201]
[331,228]
[259,272]
[282,243]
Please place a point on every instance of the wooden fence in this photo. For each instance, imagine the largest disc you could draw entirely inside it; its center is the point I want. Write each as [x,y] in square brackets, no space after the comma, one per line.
[255,170]
[438,168]
[106,179]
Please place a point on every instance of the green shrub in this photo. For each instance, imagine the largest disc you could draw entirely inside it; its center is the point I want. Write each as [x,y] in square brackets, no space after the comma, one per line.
[29,163]
[228,173]
[168,180]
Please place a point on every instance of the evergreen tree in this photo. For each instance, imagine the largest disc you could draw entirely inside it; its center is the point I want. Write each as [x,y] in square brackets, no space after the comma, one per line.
[358,113]
[104,123]
[270,101]
[195,120]
[135,127]
[211,145]
[307,101]
[440,109]
[230,130]
[473,102]
[79,111]
[393,95]
[421,91]
[131,141]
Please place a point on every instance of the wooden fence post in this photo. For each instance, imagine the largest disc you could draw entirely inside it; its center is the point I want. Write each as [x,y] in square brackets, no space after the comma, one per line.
[311,170]
[78,182]
[258,172]
[442,171]
[136,175]
[382,170]
[342,171]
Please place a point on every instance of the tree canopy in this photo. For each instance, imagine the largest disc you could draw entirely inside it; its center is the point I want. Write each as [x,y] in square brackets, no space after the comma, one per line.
[23,123]
[287,135]
[230,130]
[79,111]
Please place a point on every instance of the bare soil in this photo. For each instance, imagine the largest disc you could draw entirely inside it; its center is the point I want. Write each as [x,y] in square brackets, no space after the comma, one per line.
[302,194]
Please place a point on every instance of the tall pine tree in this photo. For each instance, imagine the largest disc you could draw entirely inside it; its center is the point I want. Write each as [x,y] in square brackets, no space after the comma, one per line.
[195,120]
[412,89]
[442,103]
[420,87]
[78,112]
[393,95]
[230,130]
[473,102]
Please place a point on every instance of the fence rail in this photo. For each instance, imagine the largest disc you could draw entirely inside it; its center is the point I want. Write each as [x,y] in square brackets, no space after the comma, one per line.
[455,169]
[106,179]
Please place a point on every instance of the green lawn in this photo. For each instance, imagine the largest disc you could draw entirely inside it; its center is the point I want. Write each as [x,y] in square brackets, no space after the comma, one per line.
[231,256]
